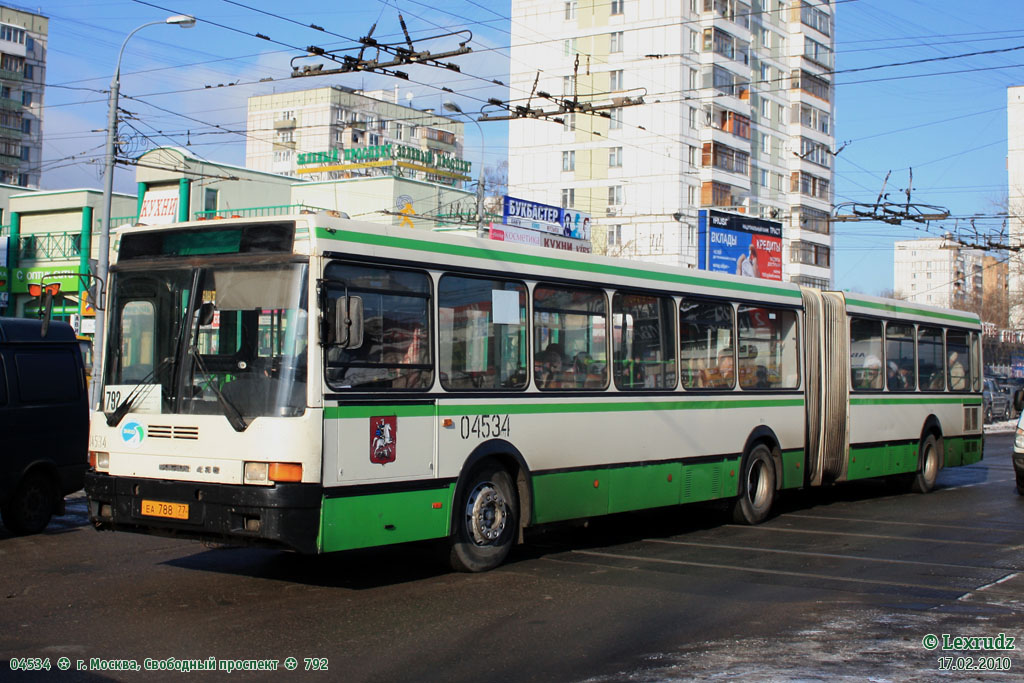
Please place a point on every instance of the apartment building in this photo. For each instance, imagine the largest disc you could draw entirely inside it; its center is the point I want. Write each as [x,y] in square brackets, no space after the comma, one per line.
[737,116]
[333,133]
[22,75]
[939,272]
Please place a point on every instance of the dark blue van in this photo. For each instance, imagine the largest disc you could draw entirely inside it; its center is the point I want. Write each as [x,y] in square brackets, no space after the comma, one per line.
[44,422]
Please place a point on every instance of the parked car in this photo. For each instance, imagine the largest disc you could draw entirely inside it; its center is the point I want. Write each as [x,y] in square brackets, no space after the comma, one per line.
[44,420]
[996,402]
[1010,387]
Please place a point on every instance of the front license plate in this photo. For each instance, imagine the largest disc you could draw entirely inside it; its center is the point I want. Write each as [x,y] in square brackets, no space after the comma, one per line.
[158,508]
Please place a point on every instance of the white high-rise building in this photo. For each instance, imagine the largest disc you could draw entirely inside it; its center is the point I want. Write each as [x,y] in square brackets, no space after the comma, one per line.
[737,116]
[938,271]
[23,36]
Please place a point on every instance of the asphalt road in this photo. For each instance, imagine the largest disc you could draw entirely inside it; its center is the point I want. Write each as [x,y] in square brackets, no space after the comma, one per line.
[843,583]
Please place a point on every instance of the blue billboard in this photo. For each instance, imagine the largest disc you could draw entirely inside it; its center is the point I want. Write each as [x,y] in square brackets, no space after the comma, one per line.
[545,218]
[739,245]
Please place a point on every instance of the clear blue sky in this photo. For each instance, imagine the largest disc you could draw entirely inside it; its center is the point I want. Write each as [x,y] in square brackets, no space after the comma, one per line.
[950,127]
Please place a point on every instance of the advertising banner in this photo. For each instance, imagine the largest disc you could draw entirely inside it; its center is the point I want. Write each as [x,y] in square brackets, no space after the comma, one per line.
[505,233]
[159,207]
[553,220]
[739,245]
[65,275]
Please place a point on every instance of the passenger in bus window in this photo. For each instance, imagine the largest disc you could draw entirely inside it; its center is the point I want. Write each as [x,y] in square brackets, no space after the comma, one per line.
[957,375]
[870,374]
[721,376]
[548,368]
[897,379]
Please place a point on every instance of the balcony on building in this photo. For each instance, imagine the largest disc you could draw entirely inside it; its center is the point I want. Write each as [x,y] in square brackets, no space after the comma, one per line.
[814,89]
[720,195]
[736,125]
[810,219]
[435,138]
[810,185]
[716,156]
[734,14]
[722,44]
[732,89]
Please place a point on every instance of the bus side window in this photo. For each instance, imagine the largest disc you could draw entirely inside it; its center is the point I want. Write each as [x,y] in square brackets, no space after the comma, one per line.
[768,353]
[958,357]
[900,373]
[706,344]
[865,354]
[570,343]
[931,360]
[482,333]
[396,349]
[643,330]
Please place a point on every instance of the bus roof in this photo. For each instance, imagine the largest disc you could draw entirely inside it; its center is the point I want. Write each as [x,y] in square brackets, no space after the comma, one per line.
[908,310]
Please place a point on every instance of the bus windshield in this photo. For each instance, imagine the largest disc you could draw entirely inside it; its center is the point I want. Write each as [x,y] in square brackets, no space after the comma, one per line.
[218,339]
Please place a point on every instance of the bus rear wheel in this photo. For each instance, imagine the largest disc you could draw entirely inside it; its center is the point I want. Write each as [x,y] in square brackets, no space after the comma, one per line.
[487,519]
[757,487]
[930,460]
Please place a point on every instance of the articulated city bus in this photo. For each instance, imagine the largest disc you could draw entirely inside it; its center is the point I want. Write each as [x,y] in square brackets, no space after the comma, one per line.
[320,384]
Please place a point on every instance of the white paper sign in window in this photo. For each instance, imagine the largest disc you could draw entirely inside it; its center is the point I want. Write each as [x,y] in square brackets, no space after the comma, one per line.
[505,307]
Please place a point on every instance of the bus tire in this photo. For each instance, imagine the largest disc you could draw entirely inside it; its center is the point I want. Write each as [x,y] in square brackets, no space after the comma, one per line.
[929,463]
[757,487]
[487,520]
[30,508]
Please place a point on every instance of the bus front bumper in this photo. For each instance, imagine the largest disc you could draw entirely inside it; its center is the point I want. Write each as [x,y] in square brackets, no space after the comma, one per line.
[283,515]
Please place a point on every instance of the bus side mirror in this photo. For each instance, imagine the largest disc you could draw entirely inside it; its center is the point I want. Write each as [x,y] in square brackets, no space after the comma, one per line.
[348,322]
[206,312]
[1018,400]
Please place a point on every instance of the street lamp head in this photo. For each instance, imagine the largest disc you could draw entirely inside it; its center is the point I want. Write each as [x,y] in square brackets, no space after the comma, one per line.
[182,20]
[451,106]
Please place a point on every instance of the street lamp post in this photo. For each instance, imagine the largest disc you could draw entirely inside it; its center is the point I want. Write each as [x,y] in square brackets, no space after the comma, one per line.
[451,106]
[184,21]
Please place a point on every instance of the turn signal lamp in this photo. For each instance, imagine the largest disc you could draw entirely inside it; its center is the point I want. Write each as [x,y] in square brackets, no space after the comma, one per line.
[270,472]
[285,471]
[1018,439]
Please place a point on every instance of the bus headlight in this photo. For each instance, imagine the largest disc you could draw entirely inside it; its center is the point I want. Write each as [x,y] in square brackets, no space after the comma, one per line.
[271,472]
[256,473]
[99,461]
[1018,440]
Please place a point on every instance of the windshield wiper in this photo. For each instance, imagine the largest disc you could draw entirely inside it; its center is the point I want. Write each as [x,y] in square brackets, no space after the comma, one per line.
[114,418]
[231,412]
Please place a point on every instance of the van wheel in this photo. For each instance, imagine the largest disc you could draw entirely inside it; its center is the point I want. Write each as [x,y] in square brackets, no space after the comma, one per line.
[486,521]
[1020,485]
[930,460]
[30,508]
[757,487]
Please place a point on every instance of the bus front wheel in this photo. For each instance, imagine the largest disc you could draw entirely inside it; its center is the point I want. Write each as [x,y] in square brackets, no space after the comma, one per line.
[930,460]
[487,518]
[757,487]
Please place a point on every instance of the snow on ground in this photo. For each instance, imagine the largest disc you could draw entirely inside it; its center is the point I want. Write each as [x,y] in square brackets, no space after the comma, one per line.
[1001,427]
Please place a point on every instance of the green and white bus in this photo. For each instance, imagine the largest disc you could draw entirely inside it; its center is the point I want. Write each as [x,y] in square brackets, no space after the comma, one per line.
[321,384]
